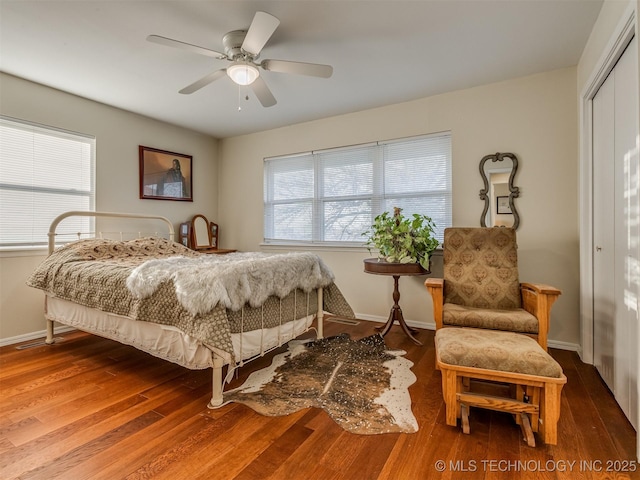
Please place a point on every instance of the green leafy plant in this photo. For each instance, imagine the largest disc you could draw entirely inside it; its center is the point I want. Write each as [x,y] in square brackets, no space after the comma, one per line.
[402,240]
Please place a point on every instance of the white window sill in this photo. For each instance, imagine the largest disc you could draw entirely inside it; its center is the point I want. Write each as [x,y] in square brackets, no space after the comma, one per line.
[327,246]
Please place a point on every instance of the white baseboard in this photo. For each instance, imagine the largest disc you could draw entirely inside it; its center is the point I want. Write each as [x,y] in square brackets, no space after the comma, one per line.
[574,347]
[32,336]
[411,323]
[360,316]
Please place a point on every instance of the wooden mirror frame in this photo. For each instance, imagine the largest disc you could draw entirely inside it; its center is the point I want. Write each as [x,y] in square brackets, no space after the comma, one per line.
[194,237]
[514,192]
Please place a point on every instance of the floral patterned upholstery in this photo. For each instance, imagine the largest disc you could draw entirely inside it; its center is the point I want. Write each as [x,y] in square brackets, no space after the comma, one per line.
[482,288]
[501,351]
[515,320]
[481,267]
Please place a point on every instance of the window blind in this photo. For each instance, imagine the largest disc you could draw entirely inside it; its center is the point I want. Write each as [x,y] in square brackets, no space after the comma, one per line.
[43,172]
[417,176]
[332,196]
[289,184]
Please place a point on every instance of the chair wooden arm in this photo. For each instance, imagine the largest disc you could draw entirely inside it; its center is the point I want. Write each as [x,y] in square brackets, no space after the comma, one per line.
[435,286]
[541,288]
[537,299]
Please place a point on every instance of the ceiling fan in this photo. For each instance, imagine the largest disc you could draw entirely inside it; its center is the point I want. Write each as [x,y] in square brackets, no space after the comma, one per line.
[242,48]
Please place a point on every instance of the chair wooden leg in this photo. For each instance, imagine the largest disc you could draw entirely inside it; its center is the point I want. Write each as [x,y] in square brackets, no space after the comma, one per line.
[525,426]
[518,394]
[449,391]
[550,413]
[464,412]
[534,397]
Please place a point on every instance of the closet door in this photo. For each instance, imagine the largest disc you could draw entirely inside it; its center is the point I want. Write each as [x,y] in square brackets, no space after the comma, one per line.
[603,228]
[616,217]
[626,184]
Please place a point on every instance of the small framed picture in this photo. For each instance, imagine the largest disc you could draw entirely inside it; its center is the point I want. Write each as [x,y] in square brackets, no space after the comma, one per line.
[214,234]
[165,175]
[185,234]
[502,205]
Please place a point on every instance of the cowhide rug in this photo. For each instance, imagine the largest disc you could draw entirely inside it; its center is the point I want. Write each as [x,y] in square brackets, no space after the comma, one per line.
[361,385]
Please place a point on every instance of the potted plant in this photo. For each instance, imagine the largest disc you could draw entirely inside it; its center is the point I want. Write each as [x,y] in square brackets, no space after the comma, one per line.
[402,240]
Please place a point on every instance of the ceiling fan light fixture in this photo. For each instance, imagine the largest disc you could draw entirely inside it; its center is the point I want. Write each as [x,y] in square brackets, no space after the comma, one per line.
[242,73]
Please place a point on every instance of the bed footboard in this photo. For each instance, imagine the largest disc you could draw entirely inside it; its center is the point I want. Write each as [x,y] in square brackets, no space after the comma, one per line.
[218,381]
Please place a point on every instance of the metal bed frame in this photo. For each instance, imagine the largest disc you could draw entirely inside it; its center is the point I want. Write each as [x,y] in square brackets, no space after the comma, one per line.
[218,361]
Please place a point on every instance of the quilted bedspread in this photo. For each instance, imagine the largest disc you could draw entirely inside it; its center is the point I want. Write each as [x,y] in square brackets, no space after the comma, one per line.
[94,273]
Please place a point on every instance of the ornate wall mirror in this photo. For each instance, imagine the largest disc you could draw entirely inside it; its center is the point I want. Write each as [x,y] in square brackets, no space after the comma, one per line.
[499,193]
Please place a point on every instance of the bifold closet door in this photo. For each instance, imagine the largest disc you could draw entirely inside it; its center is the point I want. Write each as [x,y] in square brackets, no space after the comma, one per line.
[604,311]
[616,231]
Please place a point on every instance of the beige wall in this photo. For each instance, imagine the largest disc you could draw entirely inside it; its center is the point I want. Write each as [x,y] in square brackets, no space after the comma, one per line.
[534,117]
[118,134]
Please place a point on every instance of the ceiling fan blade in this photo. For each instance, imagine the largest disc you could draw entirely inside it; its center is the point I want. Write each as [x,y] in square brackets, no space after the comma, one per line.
[204,81]
[299,68]
[263,93]
[260,31]
[185,46]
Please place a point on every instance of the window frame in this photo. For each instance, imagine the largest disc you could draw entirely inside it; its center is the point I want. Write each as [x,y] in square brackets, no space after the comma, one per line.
[31,244]
[377,197]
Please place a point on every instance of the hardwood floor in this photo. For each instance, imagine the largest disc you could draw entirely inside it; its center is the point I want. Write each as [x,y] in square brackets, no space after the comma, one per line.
[90,408]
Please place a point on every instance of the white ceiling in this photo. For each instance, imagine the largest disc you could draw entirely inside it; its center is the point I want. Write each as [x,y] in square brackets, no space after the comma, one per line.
[383,52]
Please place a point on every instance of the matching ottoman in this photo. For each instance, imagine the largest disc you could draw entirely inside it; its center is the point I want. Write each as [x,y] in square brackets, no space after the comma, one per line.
[534,378]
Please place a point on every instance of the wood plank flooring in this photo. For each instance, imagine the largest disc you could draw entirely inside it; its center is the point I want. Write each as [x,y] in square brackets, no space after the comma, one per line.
[91,408]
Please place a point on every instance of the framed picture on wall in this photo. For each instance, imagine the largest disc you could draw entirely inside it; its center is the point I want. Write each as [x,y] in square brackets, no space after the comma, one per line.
[502,205]
[165,175]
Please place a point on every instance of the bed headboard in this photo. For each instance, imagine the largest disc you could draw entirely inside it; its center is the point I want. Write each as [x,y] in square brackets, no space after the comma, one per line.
[78,213]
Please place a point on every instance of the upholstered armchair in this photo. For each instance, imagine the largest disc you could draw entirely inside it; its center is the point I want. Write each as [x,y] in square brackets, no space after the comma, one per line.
[481,287]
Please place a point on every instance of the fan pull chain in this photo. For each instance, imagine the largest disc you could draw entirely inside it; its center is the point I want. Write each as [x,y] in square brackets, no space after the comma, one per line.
[240,95]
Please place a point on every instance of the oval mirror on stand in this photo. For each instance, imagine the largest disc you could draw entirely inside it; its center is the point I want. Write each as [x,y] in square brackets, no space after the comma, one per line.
[499,193]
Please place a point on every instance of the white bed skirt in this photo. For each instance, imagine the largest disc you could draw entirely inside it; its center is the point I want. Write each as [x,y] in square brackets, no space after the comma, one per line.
[168,342]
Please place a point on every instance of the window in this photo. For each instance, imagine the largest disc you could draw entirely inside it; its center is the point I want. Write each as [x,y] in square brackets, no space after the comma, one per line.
[332,196]
[43,173]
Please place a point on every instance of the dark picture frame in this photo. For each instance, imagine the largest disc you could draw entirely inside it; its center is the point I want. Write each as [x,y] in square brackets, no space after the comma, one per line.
[184,234]
[165,175]
[214,234]
[502,205]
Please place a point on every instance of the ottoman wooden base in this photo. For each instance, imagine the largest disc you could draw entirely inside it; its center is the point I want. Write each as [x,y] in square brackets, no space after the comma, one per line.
[465,356]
